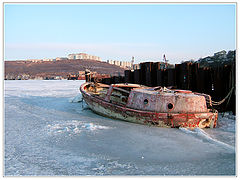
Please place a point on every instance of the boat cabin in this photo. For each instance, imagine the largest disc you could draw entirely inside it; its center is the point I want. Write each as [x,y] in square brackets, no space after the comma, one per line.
[144,98]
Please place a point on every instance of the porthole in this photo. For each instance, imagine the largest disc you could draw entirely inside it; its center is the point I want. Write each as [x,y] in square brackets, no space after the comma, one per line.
[145,101]
[170,106]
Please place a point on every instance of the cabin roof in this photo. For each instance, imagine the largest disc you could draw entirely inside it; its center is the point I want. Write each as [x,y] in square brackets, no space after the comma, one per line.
[153,92]
[127,85]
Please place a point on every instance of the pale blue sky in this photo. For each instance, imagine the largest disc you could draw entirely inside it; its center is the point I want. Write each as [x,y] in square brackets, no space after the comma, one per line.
[119,31]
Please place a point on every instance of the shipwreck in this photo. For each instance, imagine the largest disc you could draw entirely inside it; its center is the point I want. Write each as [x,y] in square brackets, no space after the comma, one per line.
[158,106]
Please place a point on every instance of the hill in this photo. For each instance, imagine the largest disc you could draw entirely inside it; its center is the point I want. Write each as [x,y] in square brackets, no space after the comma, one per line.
[58,68]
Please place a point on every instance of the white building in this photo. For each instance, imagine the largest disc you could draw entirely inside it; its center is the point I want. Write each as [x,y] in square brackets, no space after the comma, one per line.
[83,56]
[117,63]
[128,64]
[110,62]
[35,60]
[78,56]
[49,59]
[71,56]
[123,64]
[61,58]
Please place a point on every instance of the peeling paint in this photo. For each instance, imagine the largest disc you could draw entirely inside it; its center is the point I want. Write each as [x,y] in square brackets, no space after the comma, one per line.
[189,109]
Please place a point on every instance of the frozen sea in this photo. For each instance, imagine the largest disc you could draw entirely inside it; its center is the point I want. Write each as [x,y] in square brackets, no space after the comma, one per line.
[48,132]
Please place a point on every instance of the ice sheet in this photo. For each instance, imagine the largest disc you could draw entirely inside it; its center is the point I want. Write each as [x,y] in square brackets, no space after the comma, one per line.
[50,131]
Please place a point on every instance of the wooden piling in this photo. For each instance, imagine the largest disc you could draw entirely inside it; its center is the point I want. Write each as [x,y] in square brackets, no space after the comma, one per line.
[215,81]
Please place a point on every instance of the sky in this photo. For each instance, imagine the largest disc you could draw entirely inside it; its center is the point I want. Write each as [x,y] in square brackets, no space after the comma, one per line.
[119,31]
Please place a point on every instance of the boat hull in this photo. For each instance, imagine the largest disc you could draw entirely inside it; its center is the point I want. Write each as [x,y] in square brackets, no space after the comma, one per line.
[190,120]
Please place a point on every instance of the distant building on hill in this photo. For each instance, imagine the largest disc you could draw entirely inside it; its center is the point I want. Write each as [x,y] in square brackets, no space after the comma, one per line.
[61,58]
[117,63]
[83,56]
[123,64]
[35,60]
[110,61]
[49,59]
[71,56]
[221,57]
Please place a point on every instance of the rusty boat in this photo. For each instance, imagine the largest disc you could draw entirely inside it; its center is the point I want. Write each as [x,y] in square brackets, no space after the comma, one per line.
[158,106]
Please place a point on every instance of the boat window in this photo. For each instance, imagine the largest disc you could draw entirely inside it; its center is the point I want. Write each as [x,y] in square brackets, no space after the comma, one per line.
[145,101]
[170,106]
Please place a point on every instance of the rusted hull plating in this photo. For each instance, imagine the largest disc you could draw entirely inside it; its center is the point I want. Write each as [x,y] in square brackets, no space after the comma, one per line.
[189,120]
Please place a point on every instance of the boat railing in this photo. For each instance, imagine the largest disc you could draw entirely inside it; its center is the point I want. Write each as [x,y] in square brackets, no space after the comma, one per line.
[122,90]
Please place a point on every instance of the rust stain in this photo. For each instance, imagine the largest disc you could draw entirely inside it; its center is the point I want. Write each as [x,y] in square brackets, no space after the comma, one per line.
[166,118]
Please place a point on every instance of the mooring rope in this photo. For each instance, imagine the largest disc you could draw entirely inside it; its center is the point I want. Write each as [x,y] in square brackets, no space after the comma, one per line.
[216,103]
